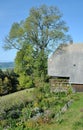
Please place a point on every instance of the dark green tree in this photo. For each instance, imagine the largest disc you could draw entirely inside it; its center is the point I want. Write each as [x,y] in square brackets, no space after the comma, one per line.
[8,82]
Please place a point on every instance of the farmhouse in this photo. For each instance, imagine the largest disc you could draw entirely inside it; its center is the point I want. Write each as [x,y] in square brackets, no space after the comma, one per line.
[67,63]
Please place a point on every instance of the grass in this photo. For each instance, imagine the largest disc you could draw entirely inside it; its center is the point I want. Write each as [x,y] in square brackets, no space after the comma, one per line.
[15,99]
[72,119]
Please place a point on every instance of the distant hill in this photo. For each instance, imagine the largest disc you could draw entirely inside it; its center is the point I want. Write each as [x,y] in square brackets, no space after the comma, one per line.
[6,65]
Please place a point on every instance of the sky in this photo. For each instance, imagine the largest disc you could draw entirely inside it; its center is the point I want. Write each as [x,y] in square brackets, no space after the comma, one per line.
[16,10]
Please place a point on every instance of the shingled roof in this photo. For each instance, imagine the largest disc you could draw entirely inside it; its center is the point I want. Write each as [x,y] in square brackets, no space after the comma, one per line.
[67,61]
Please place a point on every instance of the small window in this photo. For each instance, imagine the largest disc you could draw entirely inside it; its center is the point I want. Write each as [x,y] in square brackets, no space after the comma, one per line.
[74,64]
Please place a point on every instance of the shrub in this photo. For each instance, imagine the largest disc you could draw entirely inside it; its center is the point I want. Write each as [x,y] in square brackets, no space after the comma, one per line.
[14,114]
[26,113]
[31,125]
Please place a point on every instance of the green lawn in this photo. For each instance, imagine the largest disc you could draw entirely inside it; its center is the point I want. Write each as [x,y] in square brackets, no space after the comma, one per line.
[71,119]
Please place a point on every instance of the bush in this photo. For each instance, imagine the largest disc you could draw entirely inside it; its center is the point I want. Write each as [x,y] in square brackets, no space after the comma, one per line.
[14,114]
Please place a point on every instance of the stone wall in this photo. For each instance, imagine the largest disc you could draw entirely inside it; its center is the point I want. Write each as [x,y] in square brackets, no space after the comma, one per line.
[59,84]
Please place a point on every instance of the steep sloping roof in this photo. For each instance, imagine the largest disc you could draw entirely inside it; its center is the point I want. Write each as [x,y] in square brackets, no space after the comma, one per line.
[67,62]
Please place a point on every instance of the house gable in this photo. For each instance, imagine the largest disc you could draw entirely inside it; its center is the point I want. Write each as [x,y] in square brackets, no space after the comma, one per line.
[67,62]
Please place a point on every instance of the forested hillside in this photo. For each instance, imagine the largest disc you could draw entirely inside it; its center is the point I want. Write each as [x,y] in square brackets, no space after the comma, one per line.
[6,65]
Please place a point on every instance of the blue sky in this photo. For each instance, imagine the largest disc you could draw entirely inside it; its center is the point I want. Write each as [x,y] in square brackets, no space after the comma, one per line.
[16,10]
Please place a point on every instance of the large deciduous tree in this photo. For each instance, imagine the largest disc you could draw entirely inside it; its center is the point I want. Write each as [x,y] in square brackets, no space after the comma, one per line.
[42,30]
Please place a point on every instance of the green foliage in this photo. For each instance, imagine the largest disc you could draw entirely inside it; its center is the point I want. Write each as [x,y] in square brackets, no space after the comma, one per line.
[31,67]
[42,28]
[24,65]
[37,107]
[14,114]
[78,125]
[25,81]
[6,85]
[40,68]
[14,101]
[34,38]
[8,82]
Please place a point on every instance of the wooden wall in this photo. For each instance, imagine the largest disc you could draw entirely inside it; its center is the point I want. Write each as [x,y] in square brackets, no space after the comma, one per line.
[77,87]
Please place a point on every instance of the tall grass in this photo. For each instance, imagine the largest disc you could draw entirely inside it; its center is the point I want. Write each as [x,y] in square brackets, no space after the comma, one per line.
[16,99]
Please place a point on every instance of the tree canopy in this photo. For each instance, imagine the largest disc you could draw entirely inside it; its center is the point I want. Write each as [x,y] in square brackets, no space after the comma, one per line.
[34,38]
[44,28]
